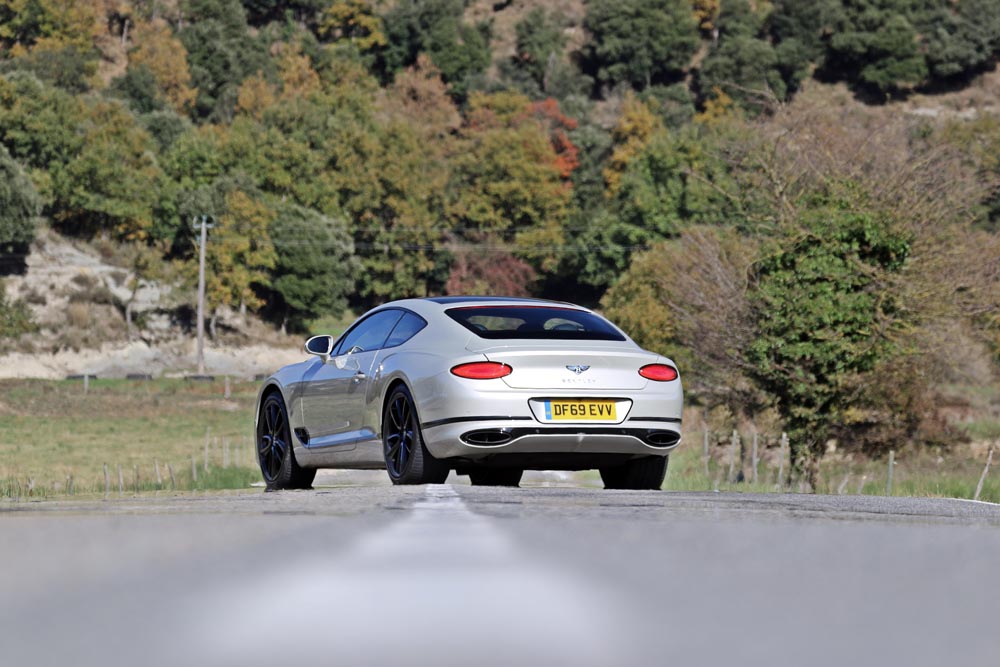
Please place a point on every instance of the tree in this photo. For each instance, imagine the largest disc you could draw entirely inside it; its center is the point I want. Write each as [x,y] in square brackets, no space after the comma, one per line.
[137,88]
[38,123]
[640,42]
[262,12]
[807,25]
[240,252]
[540,40]
[221,54]
[355,21]
[689,298]
[19,206]
[507,188]
[315,267]
[746,69]
[399,224]
[826,311]
[675,181]
[112,183]
[706,12]
[635,127]
[877,47]
[156,49]
[461,51]
[55,39]
[962,38]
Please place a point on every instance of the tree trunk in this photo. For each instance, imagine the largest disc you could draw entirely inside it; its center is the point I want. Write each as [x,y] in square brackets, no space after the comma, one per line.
[128,320]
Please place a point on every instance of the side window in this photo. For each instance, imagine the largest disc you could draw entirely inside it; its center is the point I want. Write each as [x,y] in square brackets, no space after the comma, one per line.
[408,326]
[371,333]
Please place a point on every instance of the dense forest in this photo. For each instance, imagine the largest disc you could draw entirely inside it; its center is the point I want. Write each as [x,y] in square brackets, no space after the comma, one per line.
[731,180]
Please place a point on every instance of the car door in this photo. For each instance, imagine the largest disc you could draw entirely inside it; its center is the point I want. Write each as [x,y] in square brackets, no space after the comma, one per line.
[333,392]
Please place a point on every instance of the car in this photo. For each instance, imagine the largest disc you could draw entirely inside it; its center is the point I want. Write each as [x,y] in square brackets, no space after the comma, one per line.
[484,386]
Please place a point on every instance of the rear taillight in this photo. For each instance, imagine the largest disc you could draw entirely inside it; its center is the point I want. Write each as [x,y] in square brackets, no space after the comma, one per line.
[658,372]
[482,370]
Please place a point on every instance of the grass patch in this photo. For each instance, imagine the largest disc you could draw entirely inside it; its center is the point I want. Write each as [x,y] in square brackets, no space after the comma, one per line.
[925,473]
[334,325]
[55,439]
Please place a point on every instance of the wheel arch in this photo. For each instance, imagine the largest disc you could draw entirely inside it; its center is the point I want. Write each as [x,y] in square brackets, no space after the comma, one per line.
[398,381]
[266,391]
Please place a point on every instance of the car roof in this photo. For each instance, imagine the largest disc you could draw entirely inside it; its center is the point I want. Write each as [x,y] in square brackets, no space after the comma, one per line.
[438,304]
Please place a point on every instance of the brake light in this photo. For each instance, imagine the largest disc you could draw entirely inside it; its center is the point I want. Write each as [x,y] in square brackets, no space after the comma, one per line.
[482,370]
[658,372]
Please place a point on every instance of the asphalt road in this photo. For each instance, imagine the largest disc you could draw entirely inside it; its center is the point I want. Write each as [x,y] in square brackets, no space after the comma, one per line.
[365,574]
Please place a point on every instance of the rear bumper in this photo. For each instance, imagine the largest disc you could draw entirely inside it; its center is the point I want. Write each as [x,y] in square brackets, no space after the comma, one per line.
[480,439]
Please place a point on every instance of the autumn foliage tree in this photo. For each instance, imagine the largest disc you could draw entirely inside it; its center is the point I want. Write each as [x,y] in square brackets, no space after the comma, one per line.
[240,253]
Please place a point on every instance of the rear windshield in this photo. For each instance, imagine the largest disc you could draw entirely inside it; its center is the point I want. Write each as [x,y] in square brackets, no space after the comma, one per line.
[533,322]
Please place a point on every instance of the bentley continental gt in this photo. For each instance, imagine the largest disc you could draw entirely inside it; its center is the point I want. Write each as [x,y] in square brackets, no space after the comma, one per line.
[484,386]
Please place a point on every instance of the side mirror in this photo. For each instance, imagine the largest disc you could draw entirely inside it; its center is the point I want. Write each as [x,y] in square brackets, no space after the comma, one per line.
[321,346]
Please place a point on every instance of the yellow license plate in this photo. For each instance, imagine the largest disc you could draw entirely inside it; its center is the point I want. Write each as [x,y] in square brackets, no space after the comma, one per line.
[580,411]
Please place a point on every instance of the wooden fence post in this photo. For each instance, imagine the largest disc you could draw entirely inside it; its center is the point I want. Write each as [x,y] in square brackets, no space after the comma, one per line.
[843,485]
[107,482]
[121,480]
[754,458]
[982,478]
[782,446]
[734,443]
[888,479]
[173,480]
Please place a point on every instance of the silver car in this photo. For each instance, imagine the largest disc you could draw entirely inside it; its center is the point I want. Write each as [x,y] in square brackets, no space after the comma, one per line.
[484,386]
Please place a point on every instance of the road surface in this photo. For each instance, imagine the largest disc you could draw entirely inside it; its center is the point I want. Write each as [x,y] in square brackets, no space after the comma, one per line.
[361,573]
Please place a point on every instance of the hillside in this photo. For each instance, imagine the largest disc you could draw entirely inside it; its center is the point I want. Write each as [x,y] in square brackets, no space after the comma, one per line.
[77,302]
[796,201]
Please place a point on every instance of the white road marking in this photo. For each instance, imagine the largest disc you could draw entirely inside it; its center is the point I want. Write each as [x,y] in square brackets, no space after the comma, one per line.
[442,585]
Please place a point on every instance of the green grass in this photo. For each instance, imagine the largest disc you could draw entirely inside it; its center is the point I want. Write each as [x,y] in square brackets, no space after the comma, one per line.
[982,429]
[55,439]
[330,324]
[927,473]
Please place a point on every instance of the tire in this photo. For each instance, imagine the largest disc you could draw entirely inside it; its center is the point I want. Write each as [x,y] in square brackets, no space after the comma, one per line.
[496,477]
[274,449]
[406,458]
[644,474]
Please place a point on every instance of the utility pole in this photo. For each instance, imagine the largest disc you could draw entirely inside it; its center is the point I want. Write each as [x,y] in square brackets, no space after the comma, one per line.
[201,289]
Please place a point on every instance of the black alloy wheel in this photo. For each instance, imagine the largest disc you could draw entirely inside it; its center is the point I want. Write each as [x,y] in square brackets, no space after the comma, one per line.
[642,474]
[496,476]
[274,448]
[406,459]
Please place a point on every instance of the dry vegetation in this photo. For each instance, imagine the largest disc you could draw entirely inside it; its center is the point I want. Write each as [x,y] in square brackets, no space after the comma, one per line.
[57,437]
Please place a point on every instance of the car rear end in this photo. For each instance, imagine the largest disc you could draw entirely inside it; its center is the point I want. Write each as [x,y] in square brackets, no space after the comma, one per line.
[550,386]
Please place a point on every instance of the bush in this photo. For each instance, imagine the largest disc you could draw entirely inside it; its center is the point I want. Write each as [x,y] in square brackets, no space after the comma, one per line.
[15,317]
[826,311]
[19,205]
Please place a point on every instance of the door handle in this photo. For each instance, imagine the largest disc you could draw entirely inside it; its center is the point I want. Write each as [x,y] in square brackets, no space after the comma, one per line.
[359,376]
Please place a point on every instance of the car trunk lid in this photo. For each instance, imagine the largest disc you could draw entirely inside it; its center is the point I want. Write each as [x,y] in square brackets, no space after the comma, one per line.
[555,365]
